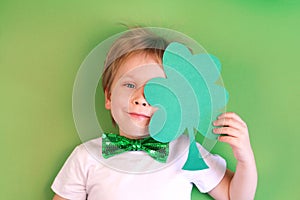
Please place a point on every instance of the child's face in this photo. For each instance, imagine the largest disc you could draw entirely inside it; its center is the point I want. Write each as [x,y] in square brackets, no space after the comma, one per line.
[126,101]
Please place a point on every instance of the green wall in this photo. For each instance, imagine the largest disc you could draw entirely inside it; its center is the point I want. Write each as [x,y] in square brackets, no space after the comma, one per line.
[42,45]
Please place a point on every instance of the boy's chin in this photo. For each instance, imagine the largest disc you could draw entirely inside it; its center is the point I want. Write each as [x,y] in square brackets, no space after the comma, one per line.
[135,133]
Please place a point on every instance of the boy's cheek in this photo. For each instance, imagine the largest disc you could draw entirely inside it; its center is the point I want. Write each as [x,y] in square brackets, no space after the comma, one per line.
[121,98]
[154,109]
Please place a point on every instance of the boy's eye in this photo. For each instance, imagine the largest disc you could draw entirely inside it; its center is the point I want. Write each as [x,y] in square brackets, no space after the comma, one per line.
[130,85]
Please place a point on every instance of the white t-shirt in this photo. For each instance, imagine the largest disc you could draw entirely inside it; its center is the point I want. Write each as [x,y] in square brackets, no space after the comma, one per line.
[134,175]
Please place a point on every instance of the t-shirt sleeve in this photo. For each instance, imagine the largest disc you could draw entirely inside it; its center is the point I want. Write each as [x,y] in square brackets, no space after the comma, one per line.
[207,179]
[70,183]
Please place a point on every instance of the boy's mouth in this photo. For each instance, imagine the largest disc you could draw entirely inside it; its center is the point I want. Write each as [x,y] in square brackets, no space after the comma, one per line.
[139,115]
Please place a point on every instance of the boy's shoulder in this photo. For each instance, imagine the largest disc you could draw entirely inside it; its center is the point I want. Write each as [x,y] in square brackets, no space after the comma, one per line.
[87,152]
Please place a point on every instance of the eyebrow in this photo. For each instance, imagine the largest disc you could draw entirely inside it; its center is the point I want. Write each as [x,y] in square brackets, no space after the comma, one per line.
[132,78]
[124,76]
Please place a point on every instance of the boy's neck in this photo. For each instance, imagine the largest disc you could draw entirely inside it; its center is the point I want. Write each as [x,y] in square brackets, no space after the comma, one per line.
[133,137]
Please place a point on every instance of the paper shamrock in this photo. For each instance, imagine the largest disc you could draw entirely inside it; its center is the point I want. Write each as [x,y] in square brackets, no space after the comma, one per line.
[188,99]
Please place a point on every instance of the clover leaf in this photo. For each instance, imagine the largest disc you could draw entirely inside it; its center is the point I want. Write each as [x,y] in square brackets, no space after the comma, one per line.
[188,99]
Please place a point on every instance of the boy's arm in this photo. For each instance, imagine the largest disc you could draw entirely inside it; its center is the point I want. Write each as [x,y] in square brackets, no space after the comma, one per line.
[241,184]
[56,197]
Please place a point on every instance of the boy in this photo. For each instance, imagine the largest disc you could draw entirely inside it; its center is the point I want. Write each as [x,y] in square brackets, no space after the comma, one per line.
[134,59]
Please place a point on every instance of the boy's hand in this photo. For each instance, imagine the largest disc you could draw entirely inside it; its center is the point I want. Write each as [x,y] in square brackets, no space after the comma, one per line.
[236,135]
[241,185]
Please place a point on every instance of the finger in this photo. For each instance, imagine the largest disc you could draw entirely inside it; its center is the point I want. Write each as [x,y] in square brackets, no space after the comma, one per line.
[226,130]
[231,115]
[229,122]
[232,141]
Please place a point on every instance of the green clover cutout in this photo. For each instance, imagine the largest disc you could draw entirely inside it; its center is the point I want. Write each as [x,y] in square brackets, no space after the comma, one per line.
[188,99]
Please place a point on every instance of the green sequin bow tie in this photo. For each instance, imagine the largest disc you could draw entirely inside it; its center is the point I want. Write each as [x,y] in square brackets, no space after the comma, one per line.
[113,144]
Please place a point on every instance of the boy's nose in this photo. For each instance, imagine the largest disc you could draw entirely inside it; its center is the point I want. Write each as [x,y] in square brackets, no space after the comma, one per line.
[140,102]
[139,98]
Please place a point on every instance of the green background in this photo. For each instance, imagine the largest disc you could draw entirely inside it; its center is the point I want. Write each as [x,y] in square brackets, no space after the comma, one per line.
[42,45]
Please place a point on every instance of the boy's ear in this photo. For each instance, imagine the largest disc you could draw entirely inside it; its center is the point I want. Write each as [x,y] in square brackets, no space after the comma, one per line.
[107,99]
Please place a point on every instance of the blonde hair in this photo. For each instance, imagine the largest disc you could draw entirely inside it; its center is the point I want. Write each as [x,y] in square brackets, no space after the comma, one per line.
[133,42]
